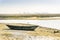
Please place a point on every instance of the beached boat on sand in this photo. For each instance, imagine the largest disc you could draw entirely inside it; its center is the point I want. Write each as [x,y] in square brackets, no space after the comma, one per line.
[22,27]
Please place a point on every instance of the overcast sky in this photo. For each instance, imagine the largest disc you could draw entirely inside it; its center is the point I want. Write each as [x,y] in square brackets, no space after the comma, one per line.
[29,6]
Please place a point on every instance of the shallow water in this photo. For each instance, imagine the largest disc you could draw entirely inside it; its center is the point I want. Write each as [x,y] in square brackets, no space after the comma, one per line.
[44,23]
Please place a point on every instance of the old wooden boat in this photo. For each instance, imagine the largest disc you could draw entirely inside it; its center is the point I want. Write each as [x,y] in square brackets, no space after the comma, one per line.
[22,27]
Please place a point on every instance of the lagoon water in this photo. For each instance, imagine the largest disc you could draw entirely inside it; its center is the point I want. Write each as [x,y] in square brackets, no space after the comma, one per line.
[44,23]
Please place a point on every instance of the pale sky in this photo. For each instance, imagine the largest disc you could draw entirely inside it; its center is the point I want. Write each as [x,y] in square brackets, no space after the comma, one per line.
[29,6]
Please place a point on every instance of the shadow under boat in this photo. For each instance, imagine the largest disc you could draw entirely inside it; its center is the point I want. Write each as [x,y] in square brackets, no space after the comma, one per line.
[27,28]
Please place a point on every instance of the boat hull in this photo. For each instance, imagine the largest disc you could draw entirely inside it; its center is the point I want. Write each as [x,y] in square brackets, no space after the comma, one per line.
[28,28]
